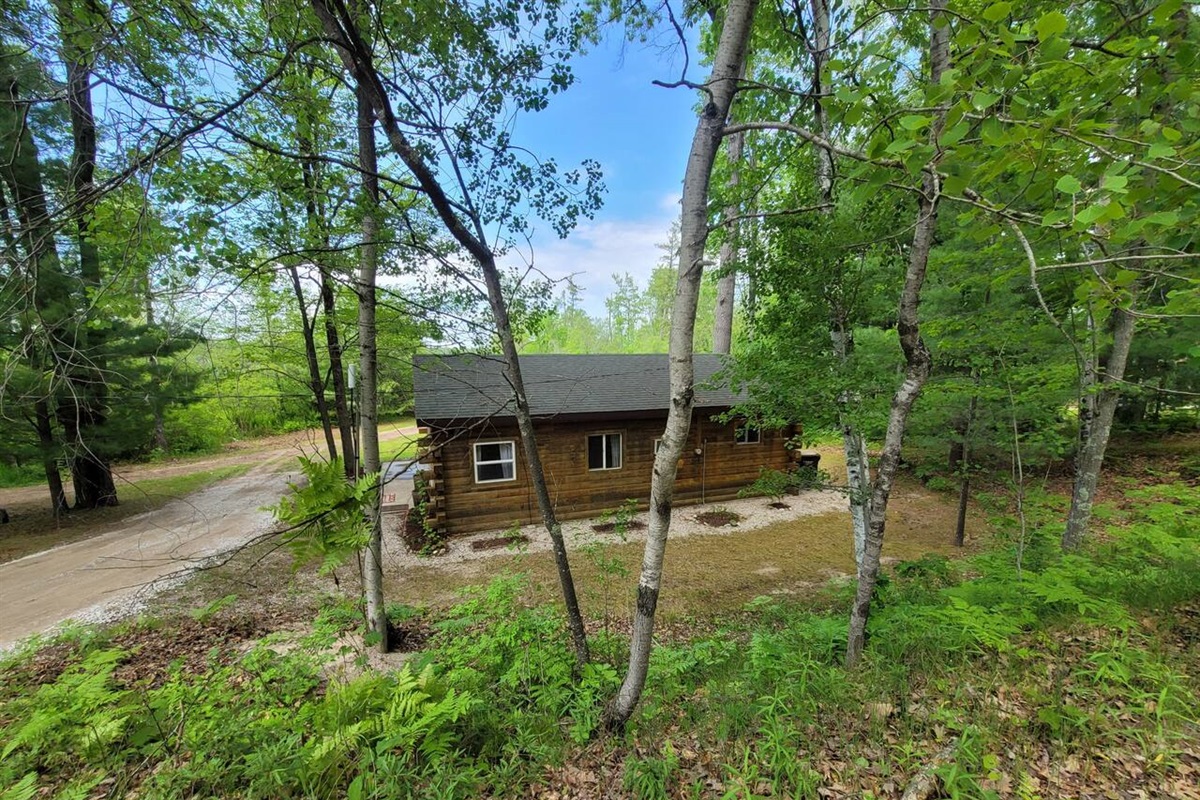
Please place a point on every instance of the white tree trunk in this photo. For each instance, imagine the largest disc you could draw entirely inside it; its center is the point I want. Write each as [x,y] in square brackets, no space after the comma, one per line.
[727,66]
[1102,406]
[368,415]
[918,361]
[858,467]
[727,284]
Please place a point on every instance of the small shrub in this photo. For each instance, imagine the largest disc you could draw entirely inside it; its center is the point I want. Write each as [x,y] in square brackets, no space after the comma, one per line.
[776,484]
[418,532]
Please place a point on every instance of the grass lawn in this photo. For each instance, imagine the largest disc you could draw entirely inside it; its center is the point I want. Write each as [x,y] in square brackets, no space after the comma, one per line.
[36,530]
[402,447]
[713,573]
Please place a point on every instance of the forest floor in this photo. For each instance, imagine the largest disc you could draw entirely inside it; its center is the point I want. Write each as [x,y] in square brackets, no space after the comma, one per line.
[174,518]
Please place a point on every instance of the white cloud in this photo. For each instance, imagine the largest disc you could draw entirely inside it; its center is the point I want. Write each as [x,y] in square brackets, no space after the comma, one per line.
[598,249]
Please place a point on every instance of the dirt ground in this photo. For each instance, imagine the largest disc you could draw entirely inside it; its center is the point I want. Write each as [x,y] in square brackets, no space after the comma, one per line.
[142,562]
[123,562]
[708,570]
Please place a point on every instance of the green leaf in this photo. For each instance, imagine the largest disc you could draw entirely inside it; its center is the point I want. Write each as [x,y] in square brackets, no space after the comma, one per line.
[1050,24]
[913,122]
[1055,217]
[1055,48]
[1115,183]
[993,132]
[984,100]
[1069,184]
[1164,218]
[1160,150]
[954,184]
[1171,135]
[997,11]
[954,134]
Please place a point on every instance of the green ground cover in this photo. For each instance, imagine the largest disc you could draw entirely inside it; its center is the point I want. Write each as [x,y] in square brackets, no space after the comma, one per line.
[1017,672]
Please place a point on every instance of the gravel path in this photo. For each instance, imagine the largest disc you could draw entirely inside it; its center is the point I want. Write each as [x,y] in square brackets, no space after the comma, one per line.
[114,572]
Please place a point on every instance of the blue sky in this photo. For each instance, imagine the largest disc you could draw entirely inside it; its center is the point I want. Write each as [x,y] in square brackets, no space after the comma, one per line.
[640,134]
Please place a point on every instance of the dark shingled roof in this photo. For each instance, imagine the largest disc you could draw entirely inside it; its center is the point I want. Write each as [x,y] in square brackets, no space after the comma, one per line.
[472,386]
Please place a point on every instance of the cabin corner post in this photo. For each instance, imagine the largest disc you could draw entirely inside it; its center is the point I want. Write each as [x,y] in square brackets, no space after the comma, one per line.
[429,486]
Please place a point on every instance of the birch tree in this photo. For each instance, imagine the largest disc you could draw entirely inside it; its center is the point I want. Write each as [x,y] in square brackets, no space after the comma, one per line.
[368,360]
[916,354]
[728,253]
[718,93]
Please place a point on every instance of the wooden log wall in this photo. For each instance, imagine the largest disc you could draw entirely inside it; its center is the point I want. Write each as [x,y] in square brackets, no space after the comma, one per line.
[713,469]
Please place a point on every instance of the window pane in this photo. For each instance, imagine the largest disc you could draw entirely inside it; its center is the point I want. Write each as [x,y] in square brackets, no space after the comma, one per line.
[595,452]
[745,435]
[614,450]
[488,452]
[494,472]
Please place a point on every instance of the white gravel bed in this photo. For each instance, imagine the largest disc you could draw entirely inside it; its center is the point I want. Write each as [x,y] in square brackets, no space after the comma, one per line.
[755,512]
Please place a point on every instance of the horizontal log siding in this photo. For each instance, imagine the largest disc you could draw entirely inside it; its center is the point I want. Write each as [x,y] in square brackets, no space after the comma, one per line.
[716,474]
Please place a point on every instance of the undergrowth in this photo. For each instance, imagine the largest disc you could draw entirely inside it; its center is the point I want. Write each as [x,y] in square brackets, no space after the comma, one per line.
[1033,677]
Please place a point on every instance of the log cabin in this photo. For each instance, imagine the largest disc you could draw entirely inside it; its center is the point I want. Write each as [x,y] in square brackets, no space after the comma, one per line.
[598,421]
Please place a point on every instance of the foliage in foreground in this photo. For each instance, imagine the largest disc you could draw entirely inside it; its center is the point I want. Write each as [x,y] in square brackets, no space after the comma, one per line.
[1077,661]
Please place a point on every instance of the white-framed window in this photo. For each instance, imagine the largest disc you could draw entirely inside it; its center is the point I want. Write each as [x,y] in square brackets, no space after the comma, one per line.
[657,444]
[745,434]
[495,461]
[604,451]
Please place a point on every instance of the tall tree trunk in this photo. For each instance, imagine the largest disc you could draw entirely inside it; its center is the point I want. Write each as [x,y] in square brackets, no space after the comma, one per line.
[721,87]
[333,345]
[340,26]
[49,289]
[368,366]
[841,334]
[727,256]
[83,410]
[160,428]
[41,411]
[45,431]
[916,355]
[1103,405]
[318,238]
[315,382]
[964,467]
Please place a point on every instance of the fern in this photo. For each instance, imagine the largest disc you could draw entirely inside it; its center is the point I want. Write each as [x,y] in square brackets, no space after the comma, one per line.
[325,514]
[80,714]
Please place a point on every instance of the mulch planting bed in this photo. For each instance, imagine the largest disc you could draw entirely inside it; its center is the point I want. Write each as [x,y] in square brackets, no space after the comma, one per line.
[719,519]
[498,542]
[609,527]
